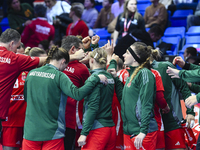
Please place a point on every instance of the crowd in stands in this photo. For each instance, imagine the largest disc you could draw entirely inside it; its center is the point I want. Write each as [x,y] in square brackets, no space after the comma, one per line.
[61,88]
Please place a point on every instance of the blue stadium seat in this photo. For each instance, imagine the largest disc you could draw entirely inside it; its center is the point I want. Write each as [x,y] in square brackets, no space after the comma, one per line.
[179,18]
[4,24]
[192,39]
[175,31]
[175,41]
[142,7]
[193,31]
[143,1]
[98,6]
[103,34]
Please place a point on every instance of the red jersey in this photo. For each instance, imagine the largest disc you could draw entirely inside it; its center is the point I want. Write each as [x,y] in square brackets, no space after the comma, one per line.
[16,114]
[80,28]
[159,87]
[36,32]
[11,65]
[123,75]
[78,73]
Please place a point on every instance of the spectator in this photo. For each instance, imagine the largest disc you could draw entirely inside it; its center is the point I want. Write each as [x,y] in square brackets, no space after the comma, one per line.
[39,29]
[117,8]
[194,20]
[55,8]
[19,15]
[105,16]
[153,35]
[78,26]
[90,14]
[156,14]
[129,20]
[44,45]
[191,55]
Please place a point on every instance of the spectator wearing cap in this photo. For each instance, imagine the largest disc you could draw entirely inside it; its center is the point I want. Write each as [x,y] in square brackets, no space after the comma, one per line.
[78,26]
[38,30]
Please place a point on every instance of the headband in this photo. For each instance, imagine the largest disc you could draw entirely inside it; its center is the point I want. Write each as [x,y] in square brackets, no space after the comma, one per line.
[134,55]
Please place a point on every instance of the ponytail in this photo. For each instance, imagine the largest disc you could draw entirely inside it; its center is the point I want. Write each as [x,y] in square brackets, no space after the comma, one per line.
[139,68]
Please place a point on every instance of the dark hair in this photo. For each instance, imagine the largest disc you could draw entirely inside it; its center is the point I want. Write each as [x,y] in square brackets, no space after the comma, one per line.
[111,1]
[192,51]
[93,2]
[77,8]
[69,41]
[157,30]
[40,10]
[45,44]
[144,53]
[36,52]
[10,35]
[21,46]
[56,53]
[120,64]
[9,2]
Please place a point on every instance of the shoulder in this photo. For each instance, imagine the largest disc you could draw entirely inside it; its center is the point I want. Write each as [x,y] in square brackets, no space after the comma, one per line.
[145,74]
[94,11]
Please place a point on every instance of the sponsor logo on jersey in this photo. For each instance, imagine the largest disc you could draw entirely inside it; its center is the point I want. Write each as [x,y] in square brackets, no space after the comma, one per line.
[17,97]
[178,143]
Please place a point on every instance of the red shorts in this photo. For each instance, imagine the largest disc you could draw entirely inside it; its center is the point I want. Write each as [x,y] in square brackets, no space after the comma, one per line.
[57,144]
[101,138]
[160,140]
[12,136]
[175,139]
[147,143]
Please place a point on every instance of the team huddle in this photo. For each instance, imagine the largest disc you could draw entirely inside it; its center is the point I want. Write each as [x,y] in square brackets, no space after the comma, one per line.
[71,97]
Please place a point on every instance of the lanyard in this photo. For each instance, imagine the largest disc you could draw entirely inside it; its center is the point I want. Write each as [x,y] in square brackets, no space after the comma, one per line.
[126,26]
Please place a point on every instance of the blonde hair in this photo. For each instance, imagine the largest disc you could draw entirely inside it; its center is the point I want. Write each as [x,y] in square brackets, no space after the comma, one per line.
[155,54]
[36,51]
[27,50]
[99,55]
[144,53]
[125,12]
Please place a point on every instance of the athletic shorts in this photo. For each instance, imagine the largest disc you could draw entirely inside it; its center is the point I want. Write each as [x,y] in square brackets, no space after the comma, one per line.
[101,138]
[175,139]
[160,140]
[57,144]
[147,143]
[12,136]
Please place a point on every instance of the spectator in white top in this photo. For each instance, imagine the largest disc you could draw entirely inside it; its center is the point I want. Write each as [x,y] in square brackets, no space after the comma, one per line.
[55,8]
